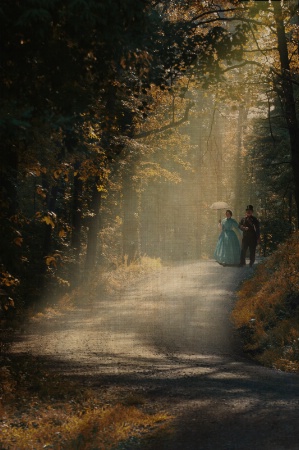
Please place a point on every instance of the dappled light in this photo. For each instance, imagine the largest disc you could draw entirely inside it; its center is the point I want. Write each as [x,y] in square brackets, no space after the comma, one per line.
[168,338]
[134,136]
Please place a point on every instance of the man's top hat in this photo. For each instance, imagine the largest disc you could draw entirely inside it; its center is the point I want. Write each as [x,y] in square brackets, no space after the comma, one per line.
[249,208]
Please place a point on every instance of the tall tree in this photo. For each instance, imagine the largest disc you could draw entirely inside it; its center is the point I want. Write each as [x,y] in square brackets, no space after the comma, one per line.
[287,95]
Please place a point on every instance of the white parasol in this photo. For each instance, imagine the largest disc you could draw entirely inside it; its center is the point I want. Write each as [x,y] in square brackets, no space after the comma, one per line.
[219,206]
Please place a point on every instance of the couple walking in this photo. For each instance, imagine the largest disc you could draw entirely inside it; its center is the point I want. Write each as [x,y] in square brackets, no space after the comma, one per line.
[235,239]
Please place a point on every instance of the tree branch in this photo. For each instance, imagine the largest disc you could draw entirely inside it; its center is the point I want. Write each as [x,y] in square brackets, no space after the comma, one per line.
[217,11]
[281,76]
[229,19]
[172,124]
[244,63]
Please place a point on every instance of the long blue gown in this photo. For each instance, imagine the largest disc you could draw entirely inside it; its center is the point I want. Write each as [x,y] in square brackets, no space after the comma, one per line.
[228,247]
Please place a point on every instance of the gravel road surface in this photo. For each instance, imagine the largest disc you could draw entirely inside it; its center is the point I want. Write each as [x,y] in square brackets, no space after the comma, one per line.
[169,338]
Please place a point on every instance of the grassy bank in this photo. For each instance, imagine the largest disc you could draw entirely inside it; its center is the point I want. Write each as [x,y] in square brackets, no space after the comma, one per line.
[266,313]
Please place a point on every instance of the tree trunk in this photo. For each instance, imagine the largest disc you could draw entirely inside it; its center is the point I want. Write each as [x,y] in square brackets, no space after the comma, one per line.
[9,260]
[131,220]
[240,185]
[77,212]
[76,224]
[51,203]
[93,230]
[288,98]
[8,181]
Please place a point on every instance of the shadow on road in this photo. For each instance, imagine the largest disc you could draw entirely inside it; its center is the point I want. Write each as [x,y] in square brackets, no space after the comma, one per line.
[170,340]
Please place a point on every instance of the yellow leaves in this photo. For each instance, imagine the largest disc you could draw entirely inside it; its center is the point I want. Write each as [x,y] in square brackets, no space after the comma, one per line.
[62,172]
[49,219]
[123,63]
[142,60]
[64,230]
[18,241]
[66,415]
[62,233]
[91,168]
[155,171]
[37,171]
[69,423]
[101,188]
[53,260]
[63,282]
[267,309]
[50,260]
[57,174]
[8,280]
[41,191]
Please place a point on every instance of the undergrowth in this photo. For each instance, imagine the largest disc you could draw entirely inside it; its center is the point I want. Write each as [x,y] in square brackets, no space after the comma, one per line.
[40,409]
[125,273]
[100,283]
[267,309]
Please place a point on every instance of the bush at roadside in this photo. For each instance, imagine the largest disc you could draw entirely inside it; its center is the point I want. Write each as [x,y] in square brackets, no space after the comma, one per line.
[266,313]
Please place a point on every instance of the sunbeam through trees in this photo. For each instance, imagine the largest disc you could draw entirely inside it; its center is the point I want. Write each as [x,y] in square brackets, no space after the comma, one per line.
[122,122]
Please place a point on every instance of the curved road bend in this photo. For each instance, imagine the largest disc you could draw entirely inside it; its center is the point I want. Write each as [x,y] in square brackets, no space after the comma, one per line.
[169,337]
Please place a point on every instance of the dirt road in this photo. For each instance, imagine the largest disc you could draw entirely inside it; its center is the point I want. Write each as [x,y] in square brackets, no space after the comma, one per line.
[169,338]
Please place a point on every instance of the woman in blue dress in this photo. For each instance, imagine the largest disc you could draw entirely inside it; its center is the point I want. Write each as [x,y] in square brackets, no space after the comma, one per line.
[228,247]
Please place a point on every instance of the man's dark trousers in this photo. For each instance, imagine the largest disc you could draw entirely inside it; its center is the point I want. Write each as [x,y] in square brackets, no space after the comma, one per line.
[251,242]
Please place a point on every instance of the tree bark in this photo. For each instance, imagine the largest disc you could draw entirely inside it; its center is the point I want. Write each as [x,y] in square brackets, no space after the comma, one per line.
[288,98]
[77,212]
[131,220]
[93,230]
[9,180]
[51,204]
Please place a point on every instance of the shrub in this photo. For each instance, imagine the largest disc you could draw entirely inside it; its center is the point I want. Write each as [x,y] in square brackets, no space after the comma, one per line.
[267,309]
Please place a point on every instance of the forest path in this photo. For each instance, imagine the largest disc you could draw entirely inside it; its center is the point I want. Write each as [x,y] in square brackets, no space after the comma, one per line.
[169,338]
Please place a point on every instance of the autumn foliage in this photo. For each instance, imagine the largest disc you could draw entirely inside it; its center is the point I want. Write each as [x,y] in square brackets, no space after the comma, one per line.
[92,96]
[267,310]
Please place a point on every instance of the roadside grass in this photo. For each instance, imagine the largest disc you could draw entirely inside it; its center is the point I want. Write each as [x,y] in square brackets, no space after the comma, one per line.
[41,409]
[266,313]
[126,273]
[101,282]
[110,282]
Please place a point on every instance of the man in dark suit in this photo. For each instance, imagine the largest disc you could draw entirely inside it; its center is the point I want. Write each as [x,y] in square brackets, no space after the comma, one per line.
[251,235]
